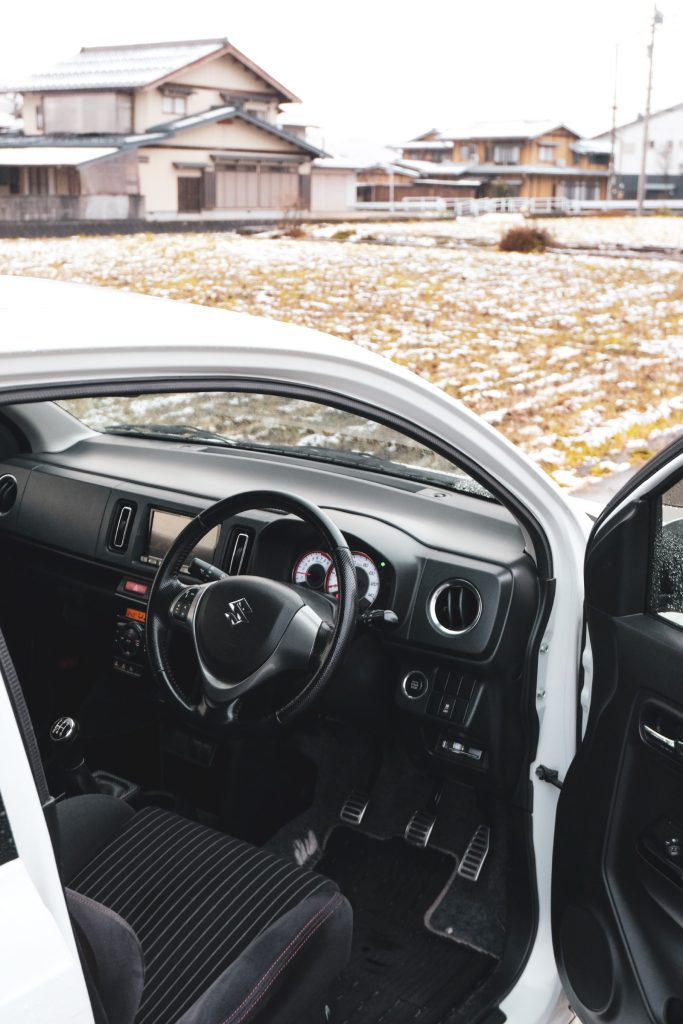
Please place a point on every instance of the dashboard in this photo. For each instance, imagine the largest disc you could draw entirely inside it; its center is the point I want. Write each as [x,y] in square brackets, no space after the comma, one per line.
[95,520]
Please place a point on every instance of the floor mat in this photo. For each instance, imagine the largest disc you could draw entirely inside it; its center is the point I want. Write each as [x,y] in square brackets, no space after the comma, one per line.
[399,971]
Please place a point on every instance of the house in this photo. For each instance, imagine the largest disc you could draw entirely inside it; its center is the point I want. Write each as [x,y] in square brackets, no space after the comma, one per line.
[664,159]
[534,159]
[160,130]
[397,180]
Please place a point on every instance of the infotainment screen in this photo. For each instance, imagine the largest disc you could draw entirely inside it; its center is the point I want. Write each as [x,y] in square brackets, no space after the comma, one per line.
[164,527]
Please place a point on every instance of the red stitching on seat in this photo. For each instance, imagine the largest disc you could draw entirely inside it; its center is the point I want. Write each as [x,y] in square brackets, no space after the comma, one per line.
[336,900]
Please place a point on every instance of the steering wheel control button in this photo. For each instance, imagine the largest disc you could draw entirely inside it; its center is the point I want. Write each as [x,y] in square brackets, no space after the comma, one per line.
[415,685]
[183,603]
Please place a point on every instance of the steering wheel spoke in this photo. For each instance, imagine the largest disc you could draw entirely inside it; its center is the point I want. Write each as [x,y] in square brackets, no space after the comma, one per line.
[249,630]
[183,605]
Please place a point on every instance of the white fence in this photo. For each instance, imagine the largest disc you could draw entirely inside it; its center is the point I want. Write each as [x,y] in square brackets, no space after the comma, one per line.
[437,206]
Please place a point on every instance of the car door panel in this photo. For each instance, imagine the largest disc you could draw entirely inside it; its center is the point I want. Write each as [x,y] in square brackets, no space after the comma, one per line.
[617,892]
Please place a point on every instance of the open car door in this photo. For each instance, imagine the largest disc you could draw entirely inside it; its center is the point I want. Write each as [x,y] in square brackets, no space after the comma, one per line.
[617,900]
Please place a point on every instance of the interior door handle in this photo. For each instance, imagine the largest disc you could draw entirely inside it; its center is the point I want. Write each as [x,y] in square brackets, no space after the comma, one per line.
[675,746]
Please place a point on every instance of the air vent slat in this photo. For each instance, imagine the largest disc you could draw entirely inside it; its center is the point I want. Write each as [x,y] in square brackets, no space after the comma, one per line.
[9,490]
[454,607]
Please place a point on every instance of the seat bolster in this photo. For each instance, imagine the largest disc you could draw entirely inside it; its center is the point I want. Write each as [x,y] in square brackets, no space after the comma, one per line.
[284,970]
[84,824]
[115,954]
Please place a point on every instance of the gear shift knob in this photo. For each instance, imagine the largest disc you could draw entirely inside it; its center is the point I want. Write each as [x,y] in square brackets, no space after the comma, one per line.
[68,751]
[66,744]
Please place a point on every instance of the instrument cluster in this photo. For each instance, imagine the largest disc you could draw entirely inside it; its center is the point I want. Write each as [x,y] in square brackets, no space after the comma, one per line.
[315,569]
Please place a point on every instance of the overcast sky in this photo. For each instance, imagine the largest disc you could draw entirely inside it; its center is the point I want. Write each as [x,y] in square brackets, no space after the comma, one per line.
[386,70]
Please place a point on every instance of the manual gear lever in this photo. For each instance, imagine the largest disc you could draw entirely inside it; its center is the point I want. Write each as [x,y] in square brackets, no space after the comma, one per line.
[68,751]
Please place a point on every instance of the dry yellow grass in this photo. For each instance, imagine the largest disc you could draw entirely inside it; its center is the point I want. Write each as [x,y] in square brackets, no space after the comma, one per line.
[578,360]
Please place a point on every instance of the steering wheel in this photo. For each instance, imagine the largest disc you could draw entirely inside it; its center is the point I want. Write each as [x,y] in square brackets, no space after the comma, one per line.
[248,630]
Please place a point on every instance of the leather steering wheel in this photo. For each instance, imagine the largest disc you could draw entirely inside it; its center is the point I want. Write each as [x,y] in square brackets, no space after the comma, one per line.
[248,630]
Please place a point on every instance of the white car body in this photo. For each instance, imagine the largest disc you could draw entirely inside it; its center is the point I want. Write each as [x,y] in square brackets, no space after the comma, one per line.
[50,338]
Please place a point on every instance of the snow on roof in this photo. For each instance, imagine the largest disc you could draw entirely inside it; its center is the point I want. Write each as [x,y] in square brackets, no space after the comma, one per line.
[603,146]
[530,129]
[135,66]
[337,163]
[106,67]
[53,156]
[427,144]
[431,168]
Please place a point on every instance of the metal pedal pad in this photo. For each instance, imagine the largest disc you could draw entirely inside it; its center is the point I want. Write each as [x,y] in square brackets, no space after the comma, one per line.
[354,807]
[419,829]
[477,849]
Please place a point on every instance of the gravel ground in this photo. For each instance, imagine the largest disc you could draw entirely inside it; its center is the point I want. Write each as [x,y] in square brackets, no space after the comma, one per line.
[577,359]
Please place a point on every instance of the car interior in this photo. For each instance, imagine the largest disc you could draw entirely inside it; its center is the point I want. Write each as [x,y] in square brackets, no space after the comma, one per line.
[294,645]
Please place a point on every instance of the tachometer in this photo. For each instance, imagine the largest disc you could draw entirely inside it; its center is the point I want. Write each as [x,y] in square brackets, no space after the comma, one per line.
[367,575]
[311,569]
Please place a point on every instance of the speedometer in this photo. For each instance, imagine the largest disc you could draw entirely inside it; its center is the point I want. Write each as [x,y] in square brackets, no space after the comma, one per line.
[311,569]
[367,575]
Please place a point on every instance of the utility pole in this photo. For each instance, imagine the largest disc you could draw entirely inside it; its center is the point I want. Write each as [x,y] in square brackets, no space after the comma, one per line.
[657,19]
[612,187]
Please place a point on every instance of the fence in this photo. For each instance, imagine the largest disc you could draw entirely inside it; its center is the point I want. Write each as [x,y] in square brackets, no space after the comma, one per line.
[511,204]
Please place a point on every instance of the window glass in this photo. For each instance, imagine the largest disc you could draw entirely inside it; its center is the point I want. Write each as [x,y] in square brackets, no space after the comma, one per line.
[666,577]
[295,427]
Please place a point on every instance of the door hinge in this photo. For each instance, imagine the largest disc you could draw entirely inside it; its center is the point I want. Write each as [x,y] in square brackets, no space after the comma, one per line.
[550,775]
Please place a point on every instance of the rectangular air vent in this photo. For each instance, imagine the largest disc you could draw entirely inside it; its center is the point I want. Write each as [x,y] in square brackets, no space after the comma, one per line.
[238,552]
[122,522]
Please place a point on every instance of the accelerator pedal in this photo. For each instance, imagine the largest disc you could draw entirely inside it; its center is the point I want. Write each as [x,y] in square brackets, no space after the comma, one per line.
[354,807]
[419,829]
[475,855]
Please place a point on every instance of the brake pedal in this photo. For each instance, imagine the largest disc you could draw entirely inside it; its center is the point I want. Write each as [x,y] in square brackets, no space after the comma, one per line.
[354,807]
[475,855]
[419,829]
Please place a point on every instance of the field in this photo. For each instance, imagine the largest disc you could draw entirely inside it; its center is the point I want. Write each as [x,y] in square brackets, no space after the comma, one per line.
[576,358]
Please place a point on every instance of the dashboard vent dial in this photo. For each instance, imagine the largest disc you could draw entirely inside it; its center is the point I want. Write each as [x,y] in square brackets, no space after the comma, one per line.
[8,493]
[454,607]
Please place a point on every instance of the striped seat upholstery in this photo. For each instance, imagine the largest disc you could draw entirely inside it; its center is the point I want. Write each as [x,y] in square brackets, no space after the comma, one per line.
[196,899]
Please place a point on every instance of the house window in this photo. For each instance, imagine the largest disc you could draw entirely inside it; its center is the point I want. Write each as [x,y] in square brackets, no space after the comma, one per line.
[174,105]
[38,181]
[505,154]
[546,153]
[40,120]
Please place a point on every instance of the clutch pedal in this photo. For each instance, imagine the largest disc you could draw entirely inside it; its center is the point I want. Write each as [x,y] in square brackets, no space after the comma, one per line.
[354,807]
[419,829]
[475,855]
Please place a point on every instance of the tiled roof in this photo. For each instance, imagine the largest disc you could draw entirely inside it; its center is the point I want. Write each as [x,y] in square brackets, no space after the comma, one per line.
[504,130]
[136,66]
[160,133]
[123,67]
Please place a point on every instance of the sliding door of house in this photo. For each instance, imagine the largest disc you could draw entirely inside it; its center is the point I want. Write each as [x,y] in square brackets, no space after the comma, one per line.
[256,186]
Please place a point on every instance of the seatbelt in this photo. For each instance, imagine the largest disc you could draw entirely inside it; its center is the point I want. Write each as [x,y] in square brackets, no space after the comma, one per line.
[23,718]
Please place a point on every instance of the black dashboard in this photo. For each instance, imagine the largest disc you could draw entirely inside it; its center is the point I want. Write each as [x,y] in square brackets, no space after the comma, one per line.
[452,567]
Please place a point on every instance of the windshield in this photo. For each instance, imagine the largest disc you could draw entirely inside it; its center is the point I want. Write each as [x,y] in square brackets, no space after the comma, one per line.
[255,421]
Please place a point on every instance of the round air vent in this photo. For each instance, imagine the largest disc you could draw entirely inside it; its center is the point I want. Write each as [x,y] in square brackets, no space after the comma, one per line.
[8,493]
[454,607]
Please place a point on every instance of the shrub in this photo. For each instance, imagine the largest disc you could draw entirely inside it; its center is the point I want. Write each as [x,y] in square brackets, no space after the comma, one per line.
[525,240]
[343,235]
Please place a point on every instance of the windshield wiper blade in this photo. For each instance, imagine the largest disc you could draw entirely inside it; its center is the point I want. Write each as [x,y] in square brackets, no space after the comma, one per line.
[170,432]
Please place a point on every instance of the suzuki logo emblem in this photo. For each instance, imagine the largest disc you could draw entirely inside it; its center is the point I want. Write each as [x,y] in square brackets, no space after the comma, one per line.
[239,611]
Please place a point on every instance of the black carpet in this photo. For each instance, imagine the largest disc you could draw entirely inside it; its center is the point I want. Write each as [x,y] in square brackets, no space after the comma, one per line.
[399,971]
